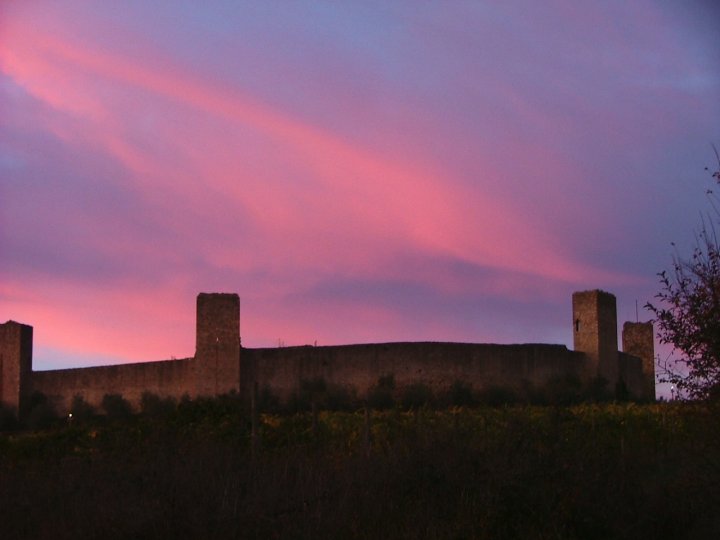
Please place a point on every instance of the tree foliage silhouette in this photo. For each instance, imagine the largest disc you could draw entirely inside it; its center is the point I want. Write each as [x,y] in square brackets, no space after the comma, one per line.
[688,311]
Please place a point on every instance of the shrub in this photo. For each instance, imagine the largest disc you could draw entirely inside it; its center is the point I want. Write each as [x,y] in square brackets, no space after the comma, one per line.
[460,394]
[313,391]
[340,398]
[563,390]
[8,418]
[81,409]
[380,396]
[193,410]
[154,405]
[597,390]
[317,391]
[267,401]
[201,407]
[496,395]
[416,395]
[621,391]
[40,413]
[116,406]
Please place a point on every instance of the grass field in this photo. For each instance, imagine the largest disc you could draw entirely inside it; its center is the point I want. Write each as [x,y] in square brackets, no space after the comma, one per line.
[193,471]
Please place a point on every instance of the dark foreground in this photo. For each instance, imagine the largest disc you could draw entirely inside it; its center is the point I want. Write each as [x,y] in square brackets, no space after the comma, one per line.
[590,471]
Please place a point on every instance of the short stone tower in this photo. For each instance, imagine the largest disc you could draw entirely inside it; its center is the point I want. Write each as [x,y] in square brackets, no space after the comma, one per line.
[638,340]
[595,332]
[217,346]
[15,364]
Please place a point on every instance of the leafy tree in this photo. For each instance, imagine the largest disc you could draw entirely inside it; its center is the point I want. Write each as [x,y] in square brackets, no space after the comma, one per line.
[688,312]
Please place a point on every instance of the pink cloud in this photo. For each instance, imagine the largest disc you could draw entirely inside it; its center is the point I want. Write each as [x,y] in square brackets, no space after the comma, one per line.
[138,325]
[364,195]
[456,158]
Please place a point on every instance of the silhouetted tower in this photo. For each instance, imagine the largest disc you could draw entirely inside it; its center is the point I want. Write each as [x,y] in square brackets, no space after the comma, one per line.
[638,340]
[15,364]
[595,332]
[217,345]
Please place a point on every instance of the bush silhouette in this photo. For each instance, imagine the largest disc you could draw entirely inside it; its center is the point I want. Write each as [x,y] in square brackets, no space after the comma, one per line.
[40,413]
[8,418]
[496,395]
[564,390]
[340,398]
[621,391]
[153,405]
[417,395]
[116,406]
[460,394]
[81,409]
[380,396]
[597,390]
[268,401]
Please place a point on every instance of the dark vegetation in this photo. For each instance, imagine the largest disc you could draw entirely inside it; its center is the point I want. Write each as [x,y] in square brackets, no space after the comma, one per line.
[687,310]
[417,466]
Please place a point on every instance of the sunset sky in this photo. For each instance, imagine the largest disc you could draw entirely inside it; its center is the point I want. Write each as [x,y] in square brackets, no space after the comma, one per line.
[356,171]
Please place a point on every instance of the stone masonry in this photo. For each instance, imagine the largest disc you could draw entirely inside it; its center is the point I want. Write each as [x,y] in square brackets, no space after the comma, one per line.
[220,365]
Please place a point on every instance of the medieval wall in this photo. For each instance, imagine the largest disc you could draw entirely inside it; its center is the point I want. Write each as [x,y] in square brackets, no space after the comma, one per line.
[221,366]
[168,378]
[437,365]
[215,368]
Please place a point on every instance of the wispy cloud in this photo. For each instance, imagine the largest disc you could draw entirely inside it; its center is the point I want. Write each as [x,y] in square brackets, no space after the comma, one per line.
[394,171]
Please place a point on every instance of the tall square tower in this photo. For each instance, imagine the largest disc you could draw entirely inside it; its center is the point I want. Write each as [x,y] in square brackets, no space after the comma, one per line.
[638,340]
[595,332]
[16,341]
[217,344]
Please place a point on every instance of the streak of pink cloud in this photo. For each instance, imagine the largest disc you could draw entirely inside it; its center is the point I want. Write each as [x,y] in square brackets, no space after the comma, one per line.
[371,196]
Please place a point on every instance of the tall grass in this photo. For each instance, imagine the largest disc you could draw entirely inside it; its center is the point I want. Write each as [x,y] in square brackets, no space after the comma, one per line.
[588,471]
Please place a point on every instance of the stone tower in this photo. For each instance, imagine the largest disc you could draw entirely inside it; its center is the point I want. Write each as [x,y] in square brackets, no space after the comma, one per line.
[638,340]
[15,364]
[595,332]
[217,346]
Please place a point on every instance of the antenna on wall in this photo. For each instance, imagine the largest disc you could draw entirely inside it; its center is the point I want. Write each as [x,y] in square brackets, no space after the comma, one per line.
[637,317]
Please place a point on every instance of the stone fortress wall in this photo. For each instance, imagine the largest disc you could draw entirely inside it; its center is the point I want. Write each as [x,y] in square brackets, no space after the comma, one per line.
[220,365]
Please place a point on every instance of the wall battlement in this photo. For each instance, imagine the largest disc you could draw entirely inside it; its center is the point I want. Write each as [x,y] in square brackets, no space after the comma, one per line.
[221,365]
